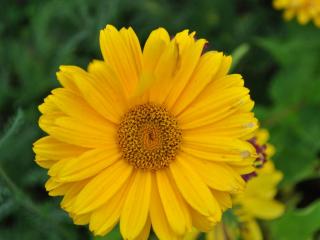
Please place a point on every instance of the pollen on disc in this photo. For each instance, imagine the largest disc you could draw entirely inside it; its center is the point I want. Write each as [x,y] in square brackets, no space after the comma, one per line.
[149,137]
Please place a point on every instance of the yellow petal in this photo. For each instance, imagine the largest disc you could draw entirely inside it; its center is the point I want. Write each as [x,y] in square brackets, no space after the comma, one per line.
[215,143]
[303,16]
[50,113]
[263,209]
[251,230]
[71,131]
[52,184]
[133,45]
[268,181]
[218,233]
[74,106]
[194,190]
[262,136]
[223,198]
[268,177]
[270,151]
[193,235]
[154,47]
[279,4]
[104,218]
[44,163]
[48,106]
[206,68]
[189,54]
[57,188]
[218,176]
[158,218]
[289,14]
[218,79]
[49,148]
[213,148]
[107,82]
[316,21]
[243,167]
[224,67]
[95,95]
[164,73]
[232,158]
[66,80]
[238,125]
[80,219]
[228,81]
[86,165]
[202,223]
[71,195]
[171,204]
[102,187]
[121,55]
[136,207]
[214,108]
[144,234]
[48,120]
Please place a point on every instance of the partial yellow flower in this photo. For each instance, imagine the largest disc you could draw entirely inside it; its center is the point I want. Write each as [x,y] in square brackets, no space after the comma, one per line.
[305,10]
[256,202]
[147,138]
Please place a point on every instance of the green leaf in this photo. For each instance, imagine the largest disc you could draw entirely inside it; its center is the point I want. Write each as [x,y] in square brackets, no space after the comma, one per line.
[298,79]
[238,54]
[16,123]
[294,156]
[297,224]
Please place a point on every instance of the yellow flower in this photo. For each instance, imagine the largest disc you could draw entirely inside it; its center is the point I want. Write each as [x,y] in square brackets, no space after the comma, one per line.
[147,138]
[305,10]
[257,201]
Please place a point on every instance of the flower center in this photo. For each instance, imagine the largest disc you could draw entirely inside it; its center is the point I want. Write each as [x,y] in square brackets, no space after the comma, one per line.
[149,137]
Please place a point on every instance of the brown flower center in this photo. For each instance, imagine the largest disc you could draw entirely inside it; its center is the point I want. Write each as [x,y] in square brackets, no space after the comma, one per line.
[149,137]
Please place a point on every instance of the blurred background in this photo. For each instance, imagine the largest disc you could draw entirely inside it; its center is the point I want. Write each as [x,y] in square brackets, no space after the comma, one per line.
[280,62]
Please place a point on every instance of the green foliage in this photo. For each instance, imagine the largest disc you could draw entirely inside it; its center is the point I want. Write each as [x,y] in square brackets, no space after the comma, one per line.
[294,116]
[280,62]
[297,224]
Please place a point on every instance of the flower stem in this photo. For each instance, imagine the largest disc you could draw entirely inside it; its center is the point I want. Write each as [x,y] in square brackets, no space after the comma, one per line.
[23,200]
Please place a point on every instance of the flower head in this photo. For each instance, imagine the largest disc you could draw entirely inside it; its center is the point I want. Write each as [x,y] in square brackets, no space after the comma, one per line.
[154,137]
[305,10]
